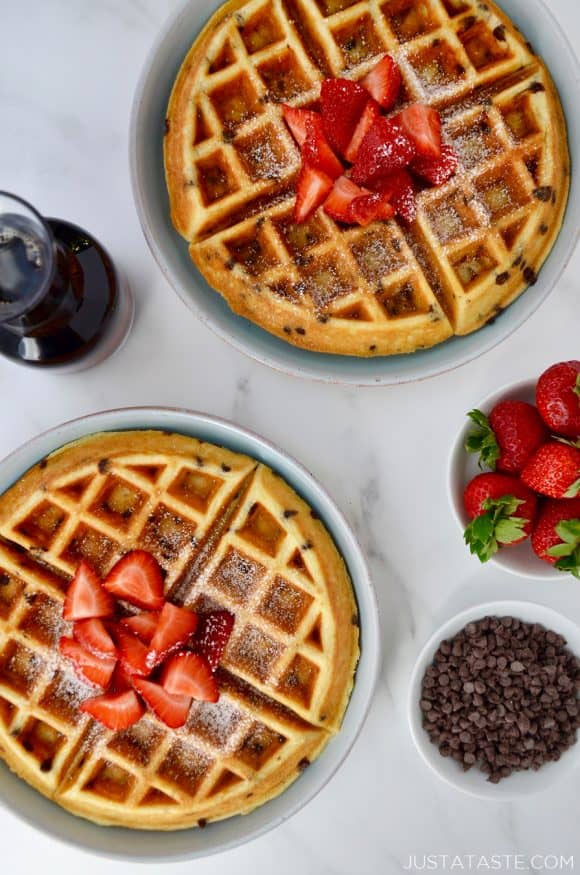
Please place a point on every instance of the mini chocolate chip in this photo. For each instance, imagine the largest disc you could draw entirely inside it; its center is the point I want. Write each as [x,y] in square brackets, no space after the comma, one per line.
[303,764]
[543,229]
[544,193]
[289,513]
[499,33]
[225,468]
[301,331]
[4,579]
[46,765]
[104,466]
[502,278]
[536,87]
[354,620]
[307,545]
[287,330]
[167,125]
[199,461]
[314,515]
[202,822]
[530,276]
[373,347]
[42,464]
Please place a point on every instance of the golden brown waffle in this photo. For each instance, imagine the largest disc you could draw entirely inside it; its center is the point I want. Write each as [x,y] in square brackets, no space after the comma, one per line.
[229,533]
[478,242]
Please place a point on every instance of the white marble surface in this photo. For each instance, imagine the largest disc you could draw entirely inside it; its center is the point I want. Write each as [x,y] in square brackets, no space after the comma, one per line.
[68,74]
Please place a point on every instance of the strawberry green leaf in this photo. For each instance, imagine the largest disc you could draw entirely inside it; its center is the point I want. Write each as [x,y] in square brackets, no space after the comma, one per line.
[574,490]
[480,538]
[568,443]
[497,526]
[568,552]
[570,564]
[576,388]
[504,506]
[569,531]
[507,531]
[482,440]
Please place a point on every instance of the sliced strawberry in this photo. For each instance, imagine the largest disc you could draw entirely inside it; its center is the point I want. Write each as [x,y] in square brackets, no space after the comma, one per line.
[93,669]
[93,635]
[423,126]
[385,148]
[142,625]
[297,120]
[174,629]
[137,579]
[313,188]
[384,82]
[343,103]
[115,710]
[132,653]
[370,115]
[370,208]
[85,597]
[172,710]
[121,680]
[437,171]
[213,635]
[188,674]
[316,151]
[399,189]
[343,193]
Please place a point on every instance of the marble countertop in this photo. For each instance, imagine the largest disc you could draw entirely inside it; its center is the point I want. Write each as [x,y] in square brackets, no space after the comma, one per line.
[68,75]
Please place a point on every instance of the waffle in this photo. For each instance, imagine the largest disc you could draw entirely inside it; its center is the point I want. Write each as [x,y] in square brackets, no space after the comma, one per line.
[478,242]
[230,534]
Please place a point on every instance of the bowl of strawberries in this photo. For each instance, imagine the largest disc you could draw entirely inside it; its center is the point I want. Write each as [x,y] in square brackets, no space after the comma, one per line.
[514,476]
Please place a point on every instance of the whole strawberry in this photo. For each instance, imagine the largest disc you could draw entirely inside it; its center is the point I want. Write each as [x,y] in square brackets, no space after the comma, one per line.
[508,438]
[558,398]
[503,511]
[554,470]
[556,536]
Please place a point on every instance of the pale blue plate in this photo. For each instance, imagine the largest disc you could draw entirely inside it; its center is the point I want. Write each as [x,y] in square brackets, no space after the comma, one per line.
[223,835]
[170,251]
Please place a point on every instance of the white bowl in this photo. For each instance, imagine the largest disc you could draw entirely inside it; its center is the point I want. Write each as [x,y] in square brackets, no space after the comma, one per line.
[194,843]
[521,559]
[520,784]
[170,251]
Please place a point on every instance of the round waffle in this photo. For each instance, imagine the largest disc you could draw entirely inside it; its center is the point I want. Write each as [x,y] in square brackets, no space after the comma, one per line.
[478,242]
[229,533]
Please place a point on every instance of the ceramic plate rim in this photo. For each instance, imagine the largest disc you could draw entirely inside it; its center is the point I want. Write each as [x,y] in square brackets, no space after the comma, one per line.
[19,460]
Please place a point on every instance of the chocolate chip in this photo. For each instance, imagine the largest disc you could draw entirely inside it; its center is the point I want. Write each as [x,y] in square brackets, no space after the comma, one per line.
[536,87]
[289,513]
[167,125]
[230,264]
[104,466]
[530,276]
[543,229]
[301,331]
[544,193]
[502,278]
[226,468]
[287,330]
[42,464]
[202,822]
[499,33]
[303,764]
[502,695]
[372,347]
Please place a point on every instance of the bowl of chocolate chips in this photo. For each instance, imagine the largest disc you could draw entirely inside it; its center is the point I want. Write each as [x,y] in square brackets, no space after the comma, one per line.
[494,704]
